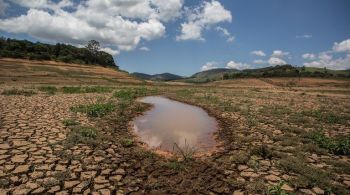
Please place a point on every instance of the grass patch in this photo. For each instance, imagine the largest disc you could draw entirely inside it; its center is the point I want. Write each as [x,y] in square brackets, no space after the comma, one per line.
[132,93]
[18,92]
[339,145]
[127,142]
[94,110]
[276,189]
[82,135]
[240,158]
[97,89]
[72,90]
[48,89]
[70,122]
[325,116]
[175,165]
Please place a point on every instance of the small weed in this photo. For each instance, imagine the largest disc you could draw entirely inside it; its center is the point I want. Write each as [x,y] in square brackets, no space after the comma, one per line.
[48,89]
[240,158]
[72,90]
[94,110]
[18,92]
[83,135]
[175,165]
[338,145]
[97,89]
[276,189]
[127,142]
[186,152]
[263,151]
[70,122]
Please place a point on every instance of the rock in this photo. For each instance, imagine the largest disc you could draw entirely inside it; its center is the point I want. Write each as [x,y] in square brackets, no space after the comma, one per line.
[286,187]
[19,158]
[38,191]
[100,180]
[105,191]
[70,184]
[21,169]
[115,178]
[54,189]
[238,192]
[307,191]
[4,146]
[248,174]
[242,167]
[87,175]
[318,190]
[60,168]
[272,178]
[119,171]
[347,183]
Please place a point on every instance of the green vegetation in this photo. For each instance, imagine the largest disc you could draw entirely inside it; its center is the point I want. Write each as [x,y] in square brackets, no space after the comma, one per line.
[325,116]
[24,49]
[175,165]
[132,93]
[18,92]
[82,135]
[95,110]
[127,142]
[70,122]
[339,145]
[92,89]
[48,89]
[277,189]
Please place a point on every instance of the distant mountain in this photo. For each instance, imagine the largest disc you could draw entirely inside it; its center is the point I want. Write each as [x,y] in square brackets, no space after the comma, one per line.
[157,77]
[271,71]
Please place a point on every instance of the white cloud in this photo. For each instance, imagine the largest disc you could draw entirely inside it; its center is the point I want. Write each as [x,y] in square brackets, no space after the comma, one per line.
[144,48]
[309,56]
[237,65]
[110,51]
[226,33]
[209,66]
[279,54]
[259,61]
[258,53]
[119,23]
[325,60]
[3,7]
[204,16]
[305,36]
[276,61]
[343,46]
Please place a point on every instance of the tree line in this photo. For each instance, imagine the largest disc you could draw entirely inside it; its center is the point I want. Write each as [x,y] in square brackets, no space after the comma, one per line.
[24,49]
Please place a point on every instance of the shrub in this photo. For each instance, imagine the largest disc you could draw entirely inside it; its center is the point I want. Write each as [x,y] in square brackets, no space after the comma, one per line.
[70,122]
[97,89]
[338,145]
[95,110]
[18,92]
[48,89]
[277,189]
[72,89]
[127,143]
[82,135]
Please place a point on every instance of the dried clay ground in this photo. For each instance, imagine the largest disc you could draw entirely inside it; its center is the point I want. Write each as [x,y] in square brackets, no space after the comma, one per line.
[64,129]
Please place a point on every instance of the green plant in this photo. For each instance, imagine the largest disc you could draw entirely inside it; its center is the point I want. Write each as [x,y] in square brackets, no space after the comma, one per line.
[175,165]
[48,89]
[95,110]
[277,189]
[127,142]
[339,145]
[70,122]
[186,152]
[72,90]
[97,89]
[18,92]
[82,135]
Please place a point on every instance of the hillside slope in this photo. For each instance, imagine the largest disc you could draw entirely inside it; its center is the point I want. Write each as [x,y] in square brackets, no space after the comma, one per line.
[30,71]
[157,77]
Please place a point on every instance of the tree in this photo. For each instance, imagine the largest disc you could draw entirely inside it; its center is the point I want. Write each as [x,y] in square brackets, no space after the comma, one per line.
[93,46]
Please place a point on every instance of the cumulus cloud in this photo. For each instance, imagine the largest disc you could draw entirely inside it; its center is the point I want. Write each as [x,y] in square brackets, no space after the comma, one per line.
[120,24]
[226,33]
[110,51]
[276,61]
[338,58]
[237,65]
[279,54]
[144,48]
[259,61]
[343,46]
[308,56]
[204,16]
[3,7]
[209,66]
[258,53]
[305,36]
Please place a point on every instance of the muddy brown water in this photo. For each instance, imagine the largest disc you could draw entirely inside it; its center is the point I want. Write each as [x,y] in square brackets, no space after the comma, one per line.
[169,122]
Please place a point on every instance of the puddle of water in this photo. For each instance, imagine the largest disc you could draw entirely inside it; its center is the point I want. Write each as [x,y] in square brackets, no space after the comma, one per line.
[170,122]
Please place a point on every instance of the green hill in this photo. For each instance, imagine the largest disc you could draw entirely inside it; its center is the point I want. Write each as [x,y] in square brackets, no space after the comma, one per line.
[23,49]
[157,77]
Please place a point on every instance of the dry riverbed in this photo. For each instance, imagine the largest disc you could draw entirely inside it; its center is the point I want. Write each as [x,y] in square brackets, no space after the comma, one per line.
[78,140]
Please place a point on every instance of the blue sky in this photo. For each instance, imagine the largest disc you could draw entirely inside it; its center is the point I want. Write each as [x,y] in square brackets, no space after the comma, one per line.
[149,35]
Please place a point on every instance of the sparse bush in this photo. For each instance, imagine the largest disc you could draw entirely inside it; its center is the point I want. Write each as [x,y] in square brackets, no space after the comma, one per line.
[277,189]
[97,89]
[48,89]
[262,151]
[186,152]
[127,142]
[72,90]
[132,93]
[339,145]
[18,92]
[70,122]
[95,110]
[175,165]
[240,158]
[82,135]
